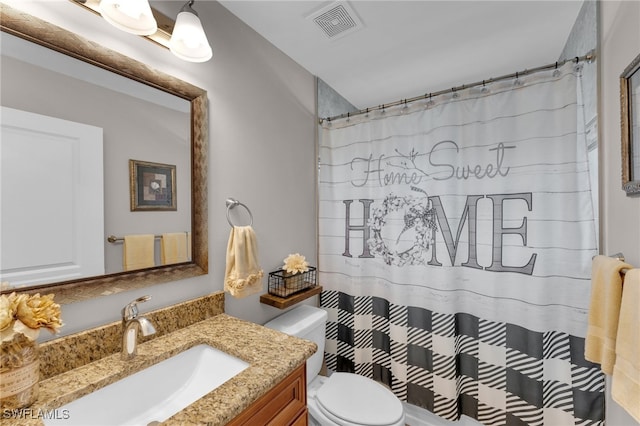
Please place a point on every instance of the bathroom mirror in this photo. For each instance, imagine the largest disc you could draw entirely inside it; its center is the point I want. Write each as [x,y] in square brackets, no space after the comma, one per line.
[192,185]
[630,119]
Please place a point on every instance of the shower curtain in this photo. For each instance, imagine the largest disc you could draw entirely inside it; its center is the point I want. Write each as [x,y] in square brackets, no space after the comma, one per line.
[455,244]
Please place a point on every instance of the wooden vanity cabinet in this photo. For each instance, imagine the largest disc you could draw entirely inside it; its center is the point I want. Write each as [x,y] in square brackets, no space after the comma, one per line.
[284,405]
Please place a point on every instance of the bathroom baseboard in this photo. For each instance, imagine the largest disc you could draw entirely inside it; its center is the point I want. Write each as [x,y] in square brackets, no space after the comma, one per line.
[417,416]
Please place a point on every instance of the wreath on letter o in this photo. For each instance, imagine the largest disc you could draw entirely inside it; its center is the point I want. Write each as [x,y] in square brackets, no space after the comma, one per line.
[418,215]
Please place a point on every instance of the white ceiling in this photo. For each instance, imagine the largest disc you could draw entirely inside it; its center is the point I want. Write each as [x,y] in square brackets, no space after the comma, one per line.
[409,48]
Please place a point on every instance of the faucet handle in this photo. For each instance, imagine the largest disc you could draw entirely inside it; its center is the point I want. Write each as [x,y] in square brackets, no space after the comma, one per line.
[130,311]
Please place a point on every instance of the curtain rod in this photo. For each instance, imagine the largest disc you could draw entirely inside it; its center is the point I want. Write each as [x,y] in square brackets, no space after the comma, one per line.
[589,57]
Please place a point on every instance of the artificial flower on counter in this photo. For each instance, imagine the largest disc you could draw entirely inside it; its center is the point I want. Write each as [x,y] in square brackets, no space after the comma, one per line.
[26,314]
[295,264]
[21,318]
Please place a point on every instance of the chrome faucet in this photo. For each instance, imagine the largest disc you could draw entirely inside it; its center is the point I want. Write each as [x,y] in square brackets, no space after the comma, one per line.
[131,323]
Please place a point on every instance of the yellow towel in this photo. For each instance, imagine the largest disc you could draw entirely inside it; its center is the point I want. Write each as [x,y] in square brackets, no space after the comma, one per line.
[604,310]
[174,248]
[189,255]
[243,275]
[138,252]
[625,387]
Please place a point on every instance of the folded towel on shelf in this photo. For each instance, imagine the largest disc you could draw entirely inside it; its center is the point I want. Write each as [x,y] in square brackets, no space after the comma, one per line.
[625,386]
[243,275]
[604,310]
[138,252]
[174,248]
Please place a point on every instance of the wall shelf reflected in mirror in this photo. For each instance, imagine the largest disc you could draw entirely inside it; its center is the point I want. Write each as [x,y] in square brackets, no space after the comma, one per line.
[32,29]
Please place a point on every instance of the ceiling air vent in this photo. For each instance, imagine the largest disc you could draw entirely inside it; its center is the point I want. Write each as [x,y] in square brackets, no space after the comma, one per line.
[336,20]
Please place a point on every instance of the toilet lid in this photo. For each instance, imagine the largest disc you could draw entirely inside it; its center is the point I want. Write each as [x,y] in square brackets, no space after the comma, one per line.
[359,400]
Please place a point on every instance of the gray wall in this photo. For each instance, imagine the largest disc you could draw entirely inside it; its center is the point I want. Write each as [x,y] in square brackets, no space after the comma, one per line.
[612,28]
[330,102]
[261,149]
[619,40]
[582,40]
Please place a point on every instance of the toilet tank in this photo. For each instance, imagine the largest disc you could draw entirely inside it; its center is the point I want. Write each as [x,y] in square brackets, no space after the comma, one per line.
[305,322]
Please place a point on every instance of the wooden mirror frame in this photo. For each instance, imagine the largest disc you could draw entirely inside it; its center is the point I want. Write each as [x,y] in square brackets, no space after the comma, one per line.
[631,187]
[25,26]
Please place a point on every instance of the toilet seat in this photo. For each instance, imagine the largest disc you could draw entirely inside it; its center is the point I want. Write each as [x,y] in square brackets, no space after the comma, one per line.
[349,400]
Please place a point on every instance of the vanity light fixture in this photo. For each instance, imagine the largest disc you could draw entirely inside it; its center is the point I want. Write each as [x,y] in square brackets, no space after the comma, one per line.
[188,40]
[184,37]
[132,16]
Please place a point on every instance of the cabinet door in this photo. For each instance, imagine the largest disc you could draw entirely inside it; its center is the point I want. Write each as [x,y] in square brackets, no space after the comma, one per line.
[284,405]
[303,420]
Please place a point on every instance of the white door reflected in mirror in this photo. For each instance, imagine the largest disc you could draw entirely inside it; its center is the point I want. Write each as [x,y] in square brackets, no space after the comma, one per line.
[51,212]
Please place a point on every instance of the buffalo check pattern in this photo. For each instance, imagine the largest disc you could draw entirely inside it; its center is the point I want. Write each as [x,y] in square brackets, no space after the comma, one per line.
[454,364]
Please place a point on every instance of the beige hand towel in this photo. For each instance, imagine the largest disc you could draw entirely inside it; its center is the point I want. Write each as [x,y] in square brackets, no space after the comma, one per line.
[604,310]
[174,248]
[138,252]
[625,386]
[189,249]
[243,275]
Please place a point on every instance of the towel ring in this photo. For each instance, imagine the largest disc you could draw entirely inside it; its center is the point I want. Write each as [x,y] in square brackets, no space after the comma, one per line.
[231,203]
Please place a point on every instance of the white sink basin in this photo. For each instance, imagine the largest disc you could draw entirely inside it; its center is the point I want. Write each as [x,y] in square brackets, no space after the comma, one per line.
[155,393]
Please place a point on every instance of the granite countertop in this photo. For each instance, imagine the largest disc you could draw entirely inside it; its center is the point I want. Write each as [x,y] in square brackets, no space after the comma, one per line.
[272,356]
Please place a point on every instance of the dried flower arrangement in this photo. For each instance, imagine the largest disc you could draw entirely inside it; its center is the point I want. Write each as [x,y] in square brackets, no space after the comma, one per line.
[21,318]
[294,276]
[295,264]
[27,314]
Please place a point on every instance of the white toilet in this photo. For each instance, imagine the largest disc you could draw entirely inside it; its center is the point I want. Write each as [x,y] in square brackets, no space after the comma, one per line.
[343,399]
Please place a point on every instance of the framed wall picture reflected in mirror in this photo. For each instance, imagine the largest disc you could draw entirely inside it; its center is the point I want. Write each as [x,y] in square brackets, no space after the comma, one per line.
[153,186]
[630,120]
